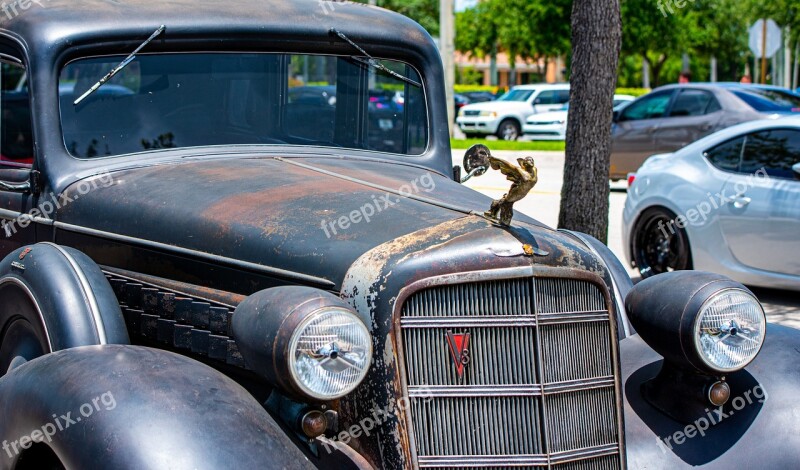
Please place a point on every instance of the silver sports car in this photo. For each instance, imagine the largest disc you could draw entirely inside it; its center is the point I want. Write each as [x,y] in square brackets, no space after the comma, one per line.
[728,203]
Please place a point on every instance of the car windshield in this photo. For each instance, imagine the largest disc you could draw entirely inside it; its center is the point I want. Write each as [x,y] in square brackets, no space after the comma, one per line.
[162,101]
[517,95]
[766,100]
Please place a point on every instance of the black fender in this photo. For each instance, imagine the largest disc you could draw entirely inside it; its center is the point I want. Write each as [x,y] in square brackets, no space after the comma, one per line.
[73,303]
[131,407]
[757,428]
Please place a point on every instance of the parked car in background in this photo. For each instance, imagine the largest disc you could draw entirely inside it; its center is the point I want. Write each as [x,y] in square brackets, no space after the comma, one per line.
[312,109]
[729,203]
[505,116]
[460,102]
[674,116]
[479,96]
[553,125]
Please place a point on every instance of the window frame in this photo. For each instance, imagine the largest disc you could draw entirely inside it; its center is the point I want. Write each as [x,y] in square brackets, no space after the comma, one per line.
[705,112]
[670,92]
[745,137]
[9,59]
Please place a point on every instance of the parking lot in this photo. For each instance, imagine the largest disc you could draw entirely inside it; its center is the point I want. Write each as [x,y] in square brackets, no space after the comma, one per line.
[543,204]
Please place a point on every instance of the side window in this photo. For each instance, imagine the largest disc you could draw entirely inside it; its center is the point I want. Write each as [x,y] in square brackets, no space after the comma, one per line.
[16,133]
[692,103]
[774,150]
[547,97]
[726,156]
[563,96]
[649,107]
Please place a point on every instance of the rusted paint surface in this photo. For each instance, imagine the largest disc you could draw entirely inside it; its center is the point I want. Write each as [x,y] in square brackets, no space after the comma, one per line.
[269,212]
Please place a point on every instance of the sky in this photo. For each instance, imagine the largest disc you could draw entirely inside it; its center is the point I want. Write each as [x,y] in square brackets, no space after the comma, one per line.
[462,4]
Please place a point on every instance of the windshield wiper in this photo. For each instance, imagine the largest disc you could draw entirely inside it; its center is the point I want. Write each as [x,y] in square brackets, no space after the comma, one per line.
[373,62]
[121,65]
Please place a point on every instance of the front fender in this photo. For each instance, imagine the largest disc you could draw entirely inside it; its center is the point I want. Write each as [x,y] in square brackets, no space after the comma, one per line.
[131,407]
[758,428]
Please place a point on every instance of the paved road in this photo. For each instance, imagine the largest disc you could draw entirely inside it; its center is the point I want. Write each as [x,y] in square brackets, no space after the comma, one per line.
[543,204]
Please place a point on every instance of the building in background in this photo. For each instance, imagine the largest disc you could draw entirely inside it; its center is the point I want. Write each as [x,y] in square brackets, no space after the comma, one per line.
[551,71]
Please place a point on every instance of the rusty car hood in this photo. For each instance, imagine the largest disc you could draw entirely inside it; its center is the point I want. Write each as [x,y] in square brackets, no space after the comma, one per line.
[291,214]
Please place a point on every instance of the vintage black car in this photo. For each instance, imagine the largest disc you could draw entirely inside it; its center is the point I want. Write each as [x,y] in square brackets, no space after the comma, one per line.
[202,270]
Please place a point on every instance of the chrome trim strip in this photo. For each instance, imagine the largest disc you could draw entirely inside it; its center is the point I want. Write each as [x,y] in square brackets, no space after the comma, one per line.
[578,385]
[467,322]
[502,321]
[87,292]
[6,214]
[585,453]
[426,461]
[481,460]
[466,391]
[196,254]
[551,319]
[439,391]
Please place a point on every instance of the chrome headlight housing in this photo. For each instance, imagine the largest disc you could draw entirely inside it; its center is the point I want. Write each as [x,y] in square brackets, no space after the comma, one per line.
[308,343]
[330,353]
[730,330]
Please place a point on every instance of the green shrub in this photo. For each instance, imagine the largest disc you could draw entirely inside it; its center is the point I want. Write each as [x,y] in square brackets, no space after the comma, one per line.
[636,92]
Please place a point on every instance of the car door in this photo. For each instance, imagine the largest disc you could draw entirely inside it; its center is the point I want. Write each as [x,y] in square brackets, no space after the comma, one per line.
[760,219]
[634,130]
[16,159]
[550,100]
[694,113]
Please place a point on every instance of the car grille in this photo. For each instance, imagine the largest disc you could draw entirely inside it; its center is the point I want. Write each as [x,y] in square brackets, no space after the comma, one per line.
[472,113]
[539,390]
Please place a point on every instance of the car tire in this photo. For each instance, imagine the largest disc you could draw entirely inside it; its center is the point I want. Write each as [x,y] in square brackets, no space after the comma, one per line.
[658,244]
[509,129]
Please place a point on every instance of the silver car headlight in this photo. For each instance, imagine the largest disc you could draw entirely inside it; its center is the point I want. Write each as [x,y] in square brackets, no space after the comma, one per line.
[330,353]
[730,330]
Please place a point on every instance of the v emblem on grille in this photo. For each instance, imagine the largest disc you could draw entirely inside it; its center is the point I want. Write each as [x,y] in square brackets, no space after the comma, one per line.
[459,344]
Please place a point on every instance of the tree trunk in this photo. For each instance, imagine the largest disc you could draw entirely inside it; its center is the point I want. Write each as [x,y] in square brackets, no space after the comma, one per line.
[596,39]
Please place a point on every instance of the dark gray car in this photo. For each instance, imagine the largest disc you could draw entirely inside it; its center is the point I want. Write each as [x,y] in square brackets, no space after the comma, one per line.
[674,116]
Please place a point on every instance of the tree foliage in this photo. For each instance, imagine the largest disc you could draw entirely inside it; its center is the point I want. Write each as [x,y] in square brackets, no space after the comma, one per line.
[528,29]
[424,12]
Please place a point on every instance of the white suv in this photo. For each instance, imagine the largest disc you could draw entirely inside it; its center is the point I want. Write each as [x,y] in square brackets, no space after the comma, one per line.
[504,117]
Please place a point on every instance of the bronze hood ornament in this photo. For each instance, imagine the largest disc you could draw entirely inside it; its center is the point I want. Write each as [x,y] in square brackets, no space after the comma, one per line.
[524,177]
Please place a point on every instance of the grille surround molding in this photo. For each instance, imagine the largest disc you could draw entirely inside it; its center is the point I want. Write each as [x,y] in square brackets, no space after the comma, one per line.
[407,431]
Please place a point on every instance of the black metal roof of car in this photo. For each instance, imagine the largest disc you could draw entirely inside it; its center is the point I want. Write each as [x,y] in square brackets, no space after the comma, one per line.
[66,23]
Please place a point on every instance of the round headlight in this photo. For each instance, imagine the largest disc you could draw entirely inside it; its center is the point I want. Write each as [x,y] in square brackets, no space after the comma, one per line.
[729,331]
[330,353]
[310,344]
[697,320]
